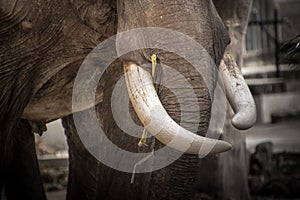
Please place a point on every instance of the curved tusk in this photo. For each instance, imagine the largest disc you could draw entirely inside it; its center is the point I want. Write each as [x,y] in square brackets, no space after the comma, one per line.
[156,120]
[238,94]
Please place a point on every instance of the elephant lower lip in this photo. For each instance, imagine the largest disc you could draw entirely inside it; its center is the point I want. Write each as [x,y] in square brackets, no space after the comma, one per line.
[156,120]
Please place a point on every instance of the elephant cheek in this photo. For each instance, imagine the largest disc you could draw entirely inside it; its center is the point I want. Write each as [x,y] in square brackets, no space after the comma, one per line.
[185,95]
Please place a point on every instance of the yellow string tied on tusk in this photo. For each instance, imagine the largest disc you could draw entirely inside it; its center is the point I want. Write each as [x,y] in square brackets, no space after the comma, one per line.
[143,139]
[154,62]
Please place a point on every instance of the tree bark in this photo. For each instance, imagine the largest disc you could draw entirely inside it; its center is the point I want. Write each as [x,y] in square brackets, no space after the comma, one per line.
[231,169]
[233,164]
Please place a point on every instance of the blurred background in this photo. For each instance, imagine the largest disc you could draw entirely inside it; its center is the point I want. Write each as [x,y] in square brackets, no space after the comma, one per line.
[271,69]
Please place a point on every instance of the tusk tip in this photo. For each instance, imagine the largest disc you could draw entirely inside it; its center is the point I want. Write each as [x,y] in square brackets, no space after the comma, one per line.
[223,146]
[219,146]
[243,122]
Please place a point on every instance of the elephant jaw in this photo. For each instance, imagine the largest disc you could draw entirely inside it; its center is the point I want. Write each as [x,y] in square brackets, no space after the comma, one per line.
[156,120]
[238,94]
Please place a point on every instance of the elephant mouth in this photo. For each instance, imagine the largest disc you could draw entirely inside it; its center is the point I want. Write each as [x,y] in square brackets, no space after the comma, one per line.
[157,121]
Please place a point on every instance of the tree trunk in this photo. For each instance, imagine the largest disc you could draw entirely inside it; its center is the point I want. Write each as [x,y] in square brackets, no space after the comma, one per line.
[233,164]
[231,169]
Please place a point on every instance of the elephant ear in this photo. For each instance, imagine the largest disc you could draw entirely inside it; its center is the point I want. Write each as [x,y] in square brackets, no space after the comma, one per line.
[16,82]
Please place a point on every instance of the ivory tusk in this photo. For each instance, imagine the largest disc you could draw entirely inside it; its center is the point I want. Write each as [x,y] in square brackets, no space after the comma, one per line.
[238,94]
[156,120]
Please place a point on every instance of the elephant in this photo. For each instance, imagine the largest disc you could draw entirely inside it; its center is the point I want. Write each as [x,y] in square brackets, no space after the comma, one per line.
[43,45]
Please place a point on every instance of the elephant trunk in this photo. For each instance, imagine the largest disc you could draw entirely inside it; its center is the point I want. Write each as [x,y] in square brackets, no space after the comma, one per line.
[156,120]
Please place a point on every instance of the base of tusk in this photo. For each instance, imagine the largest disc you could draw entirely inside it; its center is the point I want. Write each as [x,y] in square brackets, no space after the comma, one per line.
[156,120]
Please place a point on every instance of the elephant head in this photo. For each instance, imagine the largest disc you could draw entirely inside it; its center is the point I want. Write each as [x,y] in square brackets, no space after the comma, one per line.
[159,108]
[212,35]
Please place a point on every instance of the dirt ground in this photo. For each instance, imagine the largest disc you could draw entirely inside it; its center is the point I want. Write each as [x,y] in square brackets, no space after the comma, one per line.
[56,195]
[284,135]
